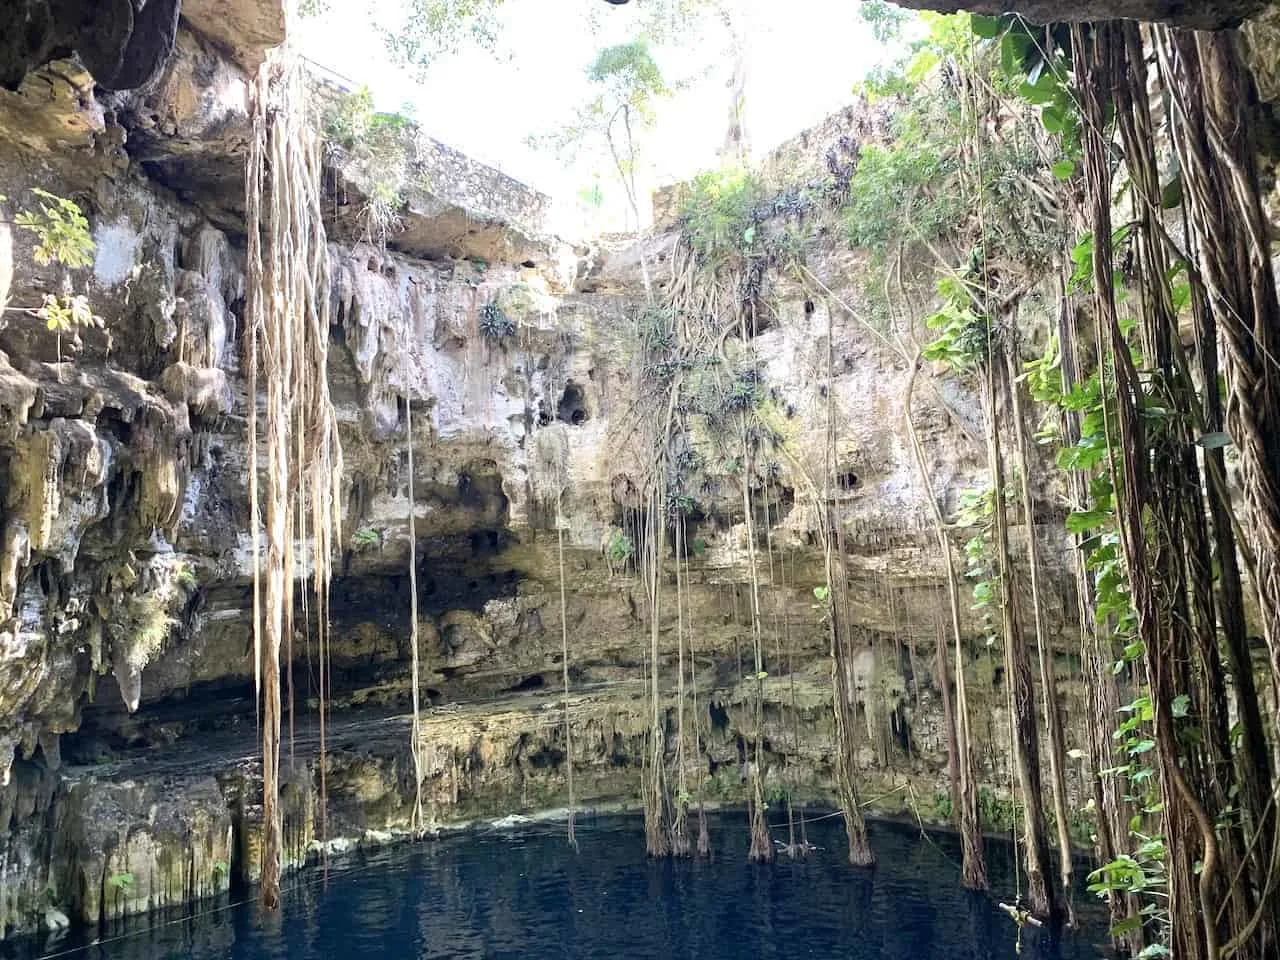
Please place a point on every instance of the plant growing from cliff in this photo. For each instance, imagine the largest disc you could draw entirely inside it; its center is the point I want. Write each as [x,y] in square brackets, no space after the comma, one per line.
[185,575]
[721,212]
[62,239]
[120,882]
[494,322]
[620,548]
[61,231]
[372,146]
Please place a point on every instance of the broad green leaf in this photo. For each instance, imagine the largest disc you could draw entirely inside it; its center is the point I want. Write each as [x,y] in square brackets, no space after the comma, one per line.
[1180,705]
[1064,169]
[1126,925]
[988,28]
[1082,521]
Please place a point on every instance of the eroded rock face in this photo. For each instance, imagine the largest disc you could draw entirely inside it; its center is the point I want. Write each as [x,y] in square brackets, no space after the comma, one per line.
[123,43]
[126,671]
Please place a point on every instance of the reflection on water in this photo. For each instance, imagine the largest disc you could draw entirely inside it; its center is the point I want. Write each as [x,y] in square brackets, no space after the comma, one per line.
[524,894]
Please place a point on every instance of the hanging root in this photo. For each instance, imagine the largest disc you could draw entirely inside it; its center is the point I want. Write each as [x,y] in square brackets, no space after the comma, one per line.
[287,275]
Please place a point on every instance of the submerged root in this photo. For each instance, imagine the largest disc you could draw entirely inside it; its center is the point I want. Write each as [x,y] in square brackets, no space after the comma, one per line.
[704,837]
[761,850]
[680,846]
[860,852]
[794,850]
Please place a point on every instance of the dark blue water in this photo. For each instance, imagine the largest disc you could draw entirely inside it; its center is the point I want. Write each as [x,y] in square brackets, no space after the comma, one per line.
[523,895]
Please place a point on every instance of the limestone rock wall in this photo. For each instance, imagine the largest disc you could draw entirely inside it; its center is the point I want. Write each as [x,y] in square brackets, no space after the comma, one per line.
[127,709]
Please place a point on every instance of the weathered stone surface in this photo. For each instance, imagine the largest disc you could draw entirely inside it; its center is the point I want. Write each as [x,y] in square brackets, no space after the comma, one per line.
[123,43]
[1197,14]
[244,29]
[126,672]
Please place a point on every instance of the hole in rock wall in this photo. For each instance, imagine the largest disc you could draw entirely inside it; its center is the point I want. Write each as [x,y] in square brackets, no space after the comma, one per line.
[573,406]
[847,480]
[808,308]
[534,682]
[547,758]
[719,716]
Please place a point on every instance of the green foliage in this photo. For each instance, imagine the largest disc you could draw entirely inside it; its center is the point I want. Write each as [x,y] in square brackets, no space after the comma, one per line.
[949,181]
[997,813]
[65,313]
[942,807]
[121,882]
[1035,61]
[494,321]
[351,122]
[719,213]
[61,237]
[629,76]
[591,197]
[885,19]
[61,231]
[976,512]
[625,84]
[698,546]
[429,29]
[185,575]
[365,537]
[892,195]
[620,548]
[372,145]
[962,336]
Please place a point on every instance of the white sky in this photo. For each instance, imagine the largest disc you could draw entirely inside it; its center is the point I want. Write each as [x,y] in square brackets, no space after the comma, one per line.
[804,57]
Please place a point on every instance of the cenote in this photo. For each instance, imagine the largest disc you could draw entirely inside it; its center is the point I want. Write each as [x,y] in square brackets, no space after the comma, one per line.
[417,414]
[523,893]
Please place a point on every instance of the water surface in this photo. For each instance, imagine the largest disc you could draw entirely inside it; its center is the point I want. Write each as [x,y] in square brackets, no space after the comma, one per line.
[521,894]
